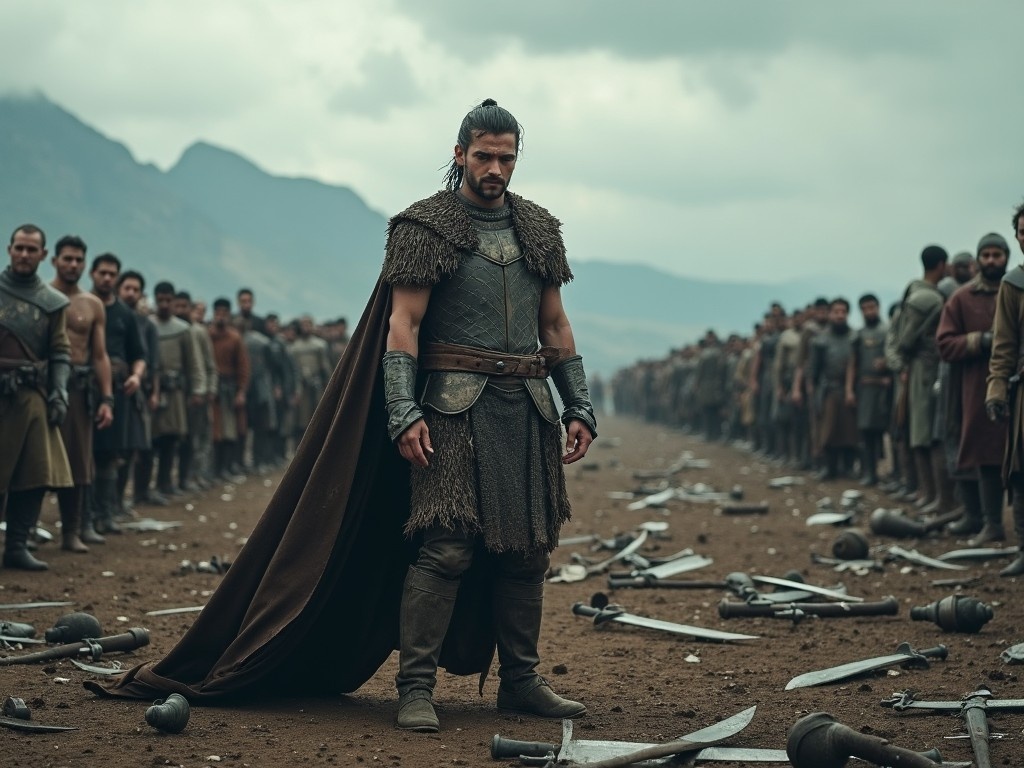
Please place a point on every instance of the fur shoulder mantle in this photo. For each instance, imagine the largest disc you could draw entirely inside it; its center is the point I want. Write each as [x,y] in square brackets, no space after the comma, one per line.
[426,241]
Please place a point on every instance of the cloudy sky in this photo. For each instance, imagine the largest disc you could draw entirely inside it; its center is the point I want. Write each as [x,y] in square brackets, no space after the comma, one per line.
[749,140]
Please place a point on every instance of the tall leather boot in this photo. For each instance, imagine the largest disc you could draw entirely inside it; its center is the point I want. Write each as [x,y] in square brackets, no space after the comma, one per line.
[427,604]
[992,499]
[971,521]
[925,477]
[944,499]
[869,459]
[23,509]
[71,501]
[1016,568]
[87,531]
[518,608]
[105,494]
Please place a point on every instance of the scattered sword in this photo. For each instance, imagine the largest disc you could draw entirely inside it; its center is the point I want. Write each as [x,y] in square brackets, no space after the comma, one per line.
[829,518]
[913,556]
[602,612]
[857,566]
[147,524]
[593,752]
[978,553]
[175,611]
[136,637]
[98,670]
[972,708]
[18,724]
[823,591]
[663,570]
[740,584]
[22,640]
[653,500]
[904,655]
[22,606]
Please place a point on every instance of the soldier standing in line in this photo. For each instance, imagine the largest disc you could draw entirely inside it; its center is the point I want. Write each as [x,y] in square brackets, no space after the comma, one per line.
[35,364]
[869,386]
[711,387]
[245,319]
[815,324]
[261,416]
[837,419]
[204,442]
[130,289]
[282,375]
[182,384]
[1004,397]
[783,375]
[232,362]
[198,410]
[90,369]
[915,342]
[313,372]
[128,367]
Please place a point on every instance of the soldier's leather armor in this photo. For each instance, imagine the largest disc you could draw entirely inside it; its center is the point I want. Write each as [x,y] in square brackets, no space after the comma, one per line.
[491,302]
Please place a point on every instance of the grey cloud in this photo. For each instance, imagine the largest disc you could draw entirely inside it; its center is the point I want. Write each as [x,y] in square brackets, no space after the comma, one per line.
[388,83]
[671,28]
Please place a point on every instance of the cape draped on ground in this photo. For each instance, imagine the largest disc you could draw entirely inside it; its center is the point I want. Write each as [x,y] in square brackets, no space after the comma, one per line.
[311,603]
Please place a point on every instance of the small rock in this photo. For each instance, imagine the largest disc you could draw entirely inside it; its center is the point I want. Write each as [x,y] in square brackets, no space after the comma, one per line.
[559,669]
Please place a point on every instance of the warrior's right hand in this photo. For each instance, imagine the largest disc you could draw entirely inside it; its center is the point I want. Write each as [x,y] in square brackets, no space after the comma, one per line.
[997,410]
[56,409]
[414,444]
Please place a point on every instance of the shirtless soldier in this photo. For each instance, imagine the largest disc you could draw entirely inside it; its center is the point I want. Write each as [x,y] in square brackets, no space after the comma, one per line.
[90,368]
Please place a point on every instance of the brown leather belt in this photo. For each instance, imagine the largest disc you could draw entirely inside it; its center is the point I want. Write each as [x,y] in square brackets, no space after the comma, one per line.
[456,357]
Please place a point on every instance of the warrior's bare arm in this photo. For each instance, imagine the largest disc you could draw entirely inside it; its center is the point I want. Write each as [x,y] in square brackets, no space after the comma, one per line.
[554,331]
[101,366]
[408,306]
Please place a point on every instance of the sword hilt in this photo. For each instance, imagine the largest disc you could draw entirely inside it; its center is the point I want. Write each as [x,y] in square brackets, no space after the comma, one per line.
[600,615]
[504,748]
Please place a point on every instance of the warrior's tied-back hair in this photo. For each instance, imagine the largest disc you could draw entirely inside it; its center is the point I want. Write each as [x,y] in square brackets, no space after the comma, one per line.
[487,117]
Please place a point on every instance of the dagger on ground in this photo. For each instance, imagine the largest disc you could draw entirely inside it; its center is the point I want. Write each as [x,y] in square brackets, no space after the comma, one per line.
[904,655]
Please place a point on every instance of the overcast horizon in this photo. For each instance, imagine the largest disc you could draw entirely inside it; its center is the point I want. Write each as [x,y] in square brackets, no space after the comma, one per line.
[748,141]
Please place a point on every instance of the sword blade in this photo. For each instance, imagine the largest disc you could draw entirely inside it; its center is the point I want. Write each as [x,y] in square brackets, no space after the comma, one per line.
[680,629]
[842,671]
[173,611]
[829,518]
[913,556]
[20,606]
[978,553]
[591,750]
[654,500]
[808,588]
[677,566]
[741,755]
[23,640]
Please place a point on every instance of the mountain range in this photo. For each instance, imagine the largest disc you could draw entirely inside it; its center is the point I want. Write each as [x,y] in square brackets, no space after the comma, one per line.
[215,221]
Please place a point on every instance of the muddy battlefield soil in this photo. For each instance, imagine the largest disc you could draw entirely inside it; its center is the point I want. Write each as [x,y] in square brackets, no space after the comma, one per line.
[639,684]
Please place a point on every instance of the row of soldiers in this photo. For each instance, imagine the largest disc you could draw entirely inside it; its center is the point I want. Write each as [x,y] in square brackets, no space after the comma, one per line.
[937,383]
[100,387]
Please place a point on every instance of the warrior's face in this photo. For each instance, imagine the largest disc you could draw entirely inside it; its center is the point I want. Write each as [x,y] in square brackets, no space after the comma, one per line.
[27,252]
[870,311]
[183,309]
[164,305]
[837,314]
[130,291]
[487,163]
[992,262]
[70,264]
[104,277]
[245,303]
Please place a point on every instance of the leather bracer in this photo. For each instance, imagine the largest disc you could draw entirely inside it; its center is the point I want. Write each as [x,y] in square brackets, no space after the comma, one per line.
[571,383]
[400,392]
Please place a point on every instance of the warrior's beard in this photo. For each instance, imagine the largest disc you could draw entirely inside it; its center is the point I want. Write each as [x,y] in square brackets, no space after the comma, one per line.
[492,192]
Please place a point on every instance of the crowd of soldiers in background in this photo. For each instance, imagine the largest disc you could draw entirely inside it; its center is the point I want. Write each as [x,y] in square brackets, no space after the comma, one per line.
[809,393]
[196,399]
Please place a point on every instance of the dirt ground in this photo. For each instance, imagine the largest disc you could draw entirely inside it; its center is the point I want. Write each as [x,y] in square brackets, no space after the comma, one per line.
[639,684]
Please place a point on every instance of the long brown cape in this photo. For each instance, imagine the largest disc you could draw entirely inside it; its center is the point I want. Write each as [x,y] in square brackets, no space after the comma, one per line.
[310,604]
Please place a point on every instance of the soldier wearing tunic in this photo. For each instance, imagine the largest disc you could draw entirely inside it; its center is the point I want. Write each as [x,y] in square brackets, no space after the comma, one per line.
[915,343]
[260,411]
[783,375]
[814,325]
[114,446]
[90,377]
[182,383]
[282,375]
[313,369]
[837,419]
[869,386]
[35,365]
[477,321]
[202,415]
[710,386]
[198,407]
[1004,398]
[232,362]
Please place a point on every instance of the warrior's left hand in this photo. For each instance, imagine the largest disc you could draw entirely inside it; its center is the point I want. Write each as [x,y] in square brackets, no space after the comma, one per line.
[577,441]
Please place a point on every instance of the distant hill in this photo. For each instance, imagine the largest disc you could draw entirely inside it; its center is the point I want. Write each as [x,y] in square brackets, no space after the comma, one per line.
[216,221]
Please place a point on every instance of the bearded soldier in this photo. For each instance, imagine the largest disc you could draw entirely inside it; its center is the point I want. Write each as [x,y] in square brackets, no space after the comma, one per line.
[869,386]
[90,369]
[35,364]
[198,409]
[1004,399]
[312,370]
